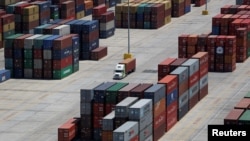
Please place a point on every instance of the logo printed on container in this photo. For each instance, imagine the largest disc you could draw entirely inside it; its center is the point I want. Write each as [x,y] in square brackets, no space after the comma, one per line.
[173,85]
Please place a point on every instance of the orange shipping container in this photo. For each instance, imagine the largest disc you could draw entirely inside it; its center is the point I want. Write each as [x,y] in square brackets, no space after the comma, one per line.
[67,131]
[170,81]
[159,107]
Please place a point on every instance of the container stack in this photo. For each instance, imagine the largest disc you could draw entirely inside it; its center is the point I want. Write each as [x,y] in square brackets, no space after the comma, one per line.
[44,11]
[183,90]
[29,17]
[79,9]
[108,126]
[111,96]
[241,44]
[193,84]
[178,8]
[67,10]
[142,112]
[171,95]
[89,5]
[168,11]
[5,3]
[157,15]
[75,52]
[122,110]
[86,111]
[157,94]
[7,25]
[203,73]
[99,108]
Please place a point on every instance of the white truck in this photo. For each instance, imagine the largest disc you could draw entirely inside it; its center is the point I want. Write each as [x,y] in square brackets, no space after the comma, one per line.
[125,67]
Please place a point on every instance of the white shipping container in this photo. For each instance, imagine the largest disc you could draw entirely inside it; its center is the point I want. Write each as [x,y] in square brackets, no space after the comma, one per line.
[126,131]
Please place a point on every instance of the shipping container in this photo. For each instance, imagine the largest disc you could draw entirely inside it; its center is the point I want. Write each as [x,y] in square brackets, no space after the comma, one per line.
[233,116]
[4,75]
[126,131]
[244,103]
[139,90]
[156,92]
[122,108]
[164,67]
[100,91]
[146,132]
[125,91]
[112,92]
[141,108]
[244,118]
[108,122]
[87,93]
[182,73]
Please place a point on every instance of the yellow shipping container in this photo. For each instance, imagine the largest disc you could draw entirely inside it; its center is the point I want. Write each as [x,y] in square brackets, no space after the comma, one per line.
[167,3]
[1,37]
[8,27]
[30,10]
[167,19]
[31,18]
[119,7]
[80,15]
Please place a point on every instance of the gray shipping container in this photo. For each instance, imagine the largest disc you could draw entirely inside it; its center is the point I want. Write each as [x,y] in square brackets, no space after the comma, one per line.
[47,54]
[100,91]
[194,90]
[29,42]
[61,30]
[182,73]
[107,26]
[28,73]
[140,108]
[183,99]
[85,108]
[193,65]
[126,131]
[146,132]
[155,92]
[150,138]
[108,122]
[122,108]
[144,121]
[203,81]
[38,64]
[87,93]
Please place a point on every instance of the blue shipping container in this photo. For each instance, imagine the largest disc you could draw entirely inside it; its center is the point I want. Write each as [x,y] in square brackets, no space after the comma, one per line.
[60,54]
[90,26]
[48,42]
[4,75]
[90,46]
[171,97]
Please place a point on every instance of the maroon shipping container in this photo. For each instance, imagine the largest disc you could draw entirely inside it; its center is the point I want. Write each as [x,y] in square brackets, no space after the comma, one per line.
[19,8]
[48,30]
[107,135]
[107,17]
[98,109]
[19,42]
[159,120]
[177,63]
[91,36]
[125,91]
[244,103]
[47,74]
[159,132]
[233,116]
[37,53]
[38,73]
[30,25]
[2,12]
[225,9]
[47,64]
[171,115]
[139,91]
[62,42]
[99,53]
[216,20]
[164,67]
[60,64]
[97,121]
[7,18]
[99,10]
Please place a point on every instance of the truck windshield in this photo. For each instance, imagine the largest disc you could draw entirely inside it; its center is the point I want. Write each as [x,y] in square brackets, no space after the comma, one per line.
[119,71]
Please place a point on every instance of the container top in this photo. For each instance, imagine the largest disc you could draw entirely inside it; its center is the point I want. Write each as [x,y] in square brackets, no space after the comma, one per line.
[3,71]
[126,126]
[244,103]
[111,115]
[129,87]
[62,26]
[142,87]
[91,86]
[154,88]
[234,114]
[53,37]
[245,116]
[34,36]
[247,95]
[127,101]
[14,36]
[140,103]
[178,61]
[117,86]
[167,61]
[104,86]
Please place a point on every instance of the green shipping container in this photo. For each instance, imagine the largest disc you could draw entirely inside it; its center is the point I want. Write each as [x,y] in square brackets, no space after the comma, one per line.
[247,95]
[10,40]
[75,67]
[38,42]
[28,54]
[28,63]
[245,118]
[8,33]
[59,74]
[55,16]
[111,93]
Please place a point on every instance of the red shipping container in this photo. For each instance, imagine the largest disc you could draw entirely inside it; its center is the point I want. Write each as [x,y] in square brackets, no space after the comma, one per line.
[164,67]
[159,120]
[216,20]
[211,40]
[38,73]
[99,53]
[109,108]
[171,82]
[107,135]
[91,36]
[192,40]
[60,64]
[66,132]
[183,39]
[225,9]
[37,53]
[30,25]
[159,132]
[98,109]
[97,121]
[244,103]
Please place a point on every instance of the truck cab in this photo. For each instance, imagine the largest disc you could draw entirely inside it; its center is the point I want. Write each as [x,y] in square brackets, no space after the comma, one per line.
[119,71]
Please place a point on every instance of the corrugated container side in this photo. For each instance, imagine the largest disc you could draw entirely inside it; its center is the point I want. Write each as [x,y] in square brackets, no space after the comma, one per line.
[140,108]
[126,131]
[122,108]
